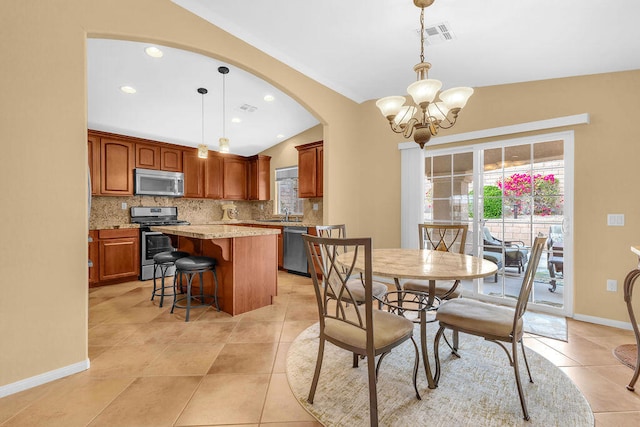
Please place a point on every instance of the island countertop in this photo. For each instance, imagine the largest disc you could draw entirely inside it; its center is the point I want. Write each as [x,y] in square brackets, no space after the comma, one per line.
[214,231]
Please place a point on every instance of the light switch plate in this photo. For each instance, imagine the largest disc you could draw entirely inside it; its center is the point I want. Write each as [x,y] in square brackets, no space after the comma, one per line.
[124,205]
[615,220]
[315,206]
[612,285]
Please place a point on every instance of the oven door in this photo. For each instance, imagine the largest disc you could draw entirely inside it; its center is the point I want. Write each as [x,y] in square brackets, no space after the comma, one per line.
[152,243]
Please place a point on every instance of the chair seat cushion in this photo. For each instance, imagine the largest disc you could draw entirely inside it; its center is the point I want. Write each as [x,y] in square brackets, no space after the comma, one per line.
[442,287]
[357,289]
[170,256]
[195,263]
[388,328]
[478,317]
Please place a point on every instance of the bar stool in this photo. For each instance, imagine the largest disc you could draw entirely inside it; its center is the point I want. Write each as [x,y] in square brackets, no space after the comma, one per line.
[163,261]
[190,266]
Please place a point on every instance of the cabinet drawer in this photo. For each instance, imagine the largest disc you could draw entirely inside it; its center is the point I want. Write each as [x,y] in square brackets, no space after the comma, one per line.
[118,233]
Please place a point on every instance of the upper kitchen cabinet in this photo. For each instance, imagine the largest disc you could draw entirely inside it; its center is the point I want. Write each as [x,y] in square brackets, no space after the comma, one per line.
[148,156]
[214,176]
[194,173]
[117,160]
[93,150]
[310,174]
[258,177]
[235,178]
[170,159]
[158,157]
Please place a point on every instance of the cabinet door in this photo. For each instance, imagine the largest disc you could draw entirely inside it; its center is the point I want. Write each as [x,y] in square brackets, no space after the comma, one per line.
[94,258]
[170,159]
[119,257]
[235,179]
[258,180]
[116,167]
[307,173]
[319,171]
[193,168]
[147,156]
[93,150]
[214,177]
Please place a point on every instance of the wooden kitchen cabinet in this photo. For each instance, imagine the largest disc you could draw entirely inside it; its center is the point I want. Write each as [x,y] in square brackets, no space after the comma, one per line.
[310,169]
[235,178]
[93,257]
[93,150]
[258,178]
[170,159]
[148,156]
[193,168]
[117,160]
[214,176]
[119,254]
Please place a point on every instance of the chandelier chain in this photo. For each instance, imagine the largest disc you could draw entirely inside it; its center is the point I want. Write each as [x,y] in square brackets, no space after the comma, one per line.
[422,34]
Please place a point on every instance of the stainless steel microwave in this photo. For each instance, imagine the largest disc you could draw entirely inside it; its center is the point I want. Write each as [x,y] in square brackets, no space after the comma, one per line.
[158,183]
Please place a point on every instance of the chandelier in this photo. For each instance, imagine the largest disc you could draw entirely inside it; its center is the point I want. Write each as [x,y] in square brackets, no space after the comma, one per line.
[426,116]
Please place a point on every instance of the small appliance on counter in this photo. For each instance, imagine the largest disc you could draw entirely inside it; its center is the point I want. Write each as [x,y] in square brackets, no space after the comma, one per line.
[229,212]
[154,242]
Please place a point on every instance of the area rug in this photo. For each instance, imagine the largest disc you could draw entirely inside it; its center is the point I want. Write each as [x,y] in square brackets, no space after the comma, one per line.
[477,389]
[546,325]
[627,354]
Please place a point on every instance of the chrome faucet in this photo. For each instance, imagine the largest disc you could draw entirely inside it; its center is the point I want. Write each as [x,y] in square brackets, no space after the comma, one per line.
[286,214]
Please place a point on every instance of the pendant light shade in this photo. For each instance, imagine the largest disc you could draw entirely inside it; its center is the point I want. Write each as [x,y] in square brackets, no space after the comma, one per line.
[203,150]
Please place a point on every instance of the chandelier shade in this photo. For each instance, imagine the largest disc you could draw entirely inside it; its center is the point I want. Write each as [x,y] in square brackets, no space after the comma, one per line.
[431,110]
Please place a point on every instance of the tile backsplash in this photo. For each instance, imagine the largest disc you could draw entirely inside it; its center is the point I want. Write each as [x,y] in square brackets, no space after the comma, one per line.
[106,211]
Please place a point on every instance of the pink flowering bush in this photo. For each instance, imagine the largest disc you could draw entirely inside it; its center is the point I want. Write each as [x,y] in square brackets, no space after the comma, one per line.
[517,191]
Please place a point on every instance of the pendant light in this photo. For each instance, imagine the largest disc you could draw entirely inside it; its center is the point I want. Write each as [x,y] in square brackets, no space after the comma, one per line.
[224,141]
[203,150]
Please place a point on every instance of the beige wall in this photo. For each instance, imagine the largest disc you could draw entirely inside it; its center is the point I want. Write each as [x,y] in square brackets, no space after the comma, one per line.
[43,135]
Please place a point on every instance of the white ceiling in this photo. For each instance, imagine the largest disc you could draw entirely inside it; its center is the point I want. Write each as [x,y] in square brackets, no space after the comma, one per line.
[364,49]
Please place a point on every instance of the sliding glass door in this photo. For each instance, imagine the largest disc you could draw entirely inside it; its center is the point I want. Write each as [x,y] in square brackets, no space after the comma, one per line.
[509,192]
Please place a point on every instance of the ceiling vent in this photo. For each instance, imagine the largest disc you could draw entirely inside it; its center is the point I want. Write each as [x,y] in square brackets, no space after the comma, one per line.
[248,108]
[438,33]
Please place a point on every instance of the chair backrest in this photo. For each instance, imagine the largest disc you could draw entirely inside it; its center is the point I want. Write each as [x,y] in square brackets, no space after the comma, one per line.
[528,279]
[443,237]
[330,279]
[337,231]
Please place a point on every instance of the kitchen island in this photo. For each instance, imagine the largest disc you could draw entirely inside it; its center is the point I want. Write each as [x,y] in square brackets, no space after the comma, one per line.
[247,261]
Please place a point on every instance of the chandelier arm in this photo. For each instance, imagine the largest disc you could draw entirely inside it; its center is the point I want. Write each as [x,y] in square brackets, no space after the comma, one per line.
[449,120]
[409,126]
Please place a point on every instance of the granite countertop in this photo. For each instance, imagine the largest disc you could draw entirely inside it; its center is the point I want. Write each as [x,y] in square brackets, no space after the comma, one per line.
[277,223]
[214,231]
[113,226]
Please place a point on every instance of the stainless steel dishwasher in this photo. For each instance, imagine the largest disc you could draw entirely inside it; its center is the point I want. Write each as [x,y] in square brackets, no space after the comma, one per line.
[295,257]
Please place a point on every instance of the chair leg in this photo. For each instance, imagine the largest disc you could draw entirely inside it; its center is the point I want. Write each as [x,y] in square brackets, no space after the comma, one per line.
[415,369]
[316,374]
[436,345]
[523,403]
[355,360]
[373,391]
[153,294]
[526,363]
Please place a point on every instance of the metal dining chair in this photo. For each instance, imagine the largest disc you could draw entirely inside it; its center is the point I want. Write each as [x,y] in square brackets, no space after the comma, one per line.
[359,329]
[494,323]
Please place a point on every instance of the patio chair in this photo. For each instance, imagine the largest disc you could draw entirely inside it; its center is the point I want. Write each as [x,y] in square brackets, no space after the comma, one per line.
[359,329]
[515,252]
[555,262]
[494,323]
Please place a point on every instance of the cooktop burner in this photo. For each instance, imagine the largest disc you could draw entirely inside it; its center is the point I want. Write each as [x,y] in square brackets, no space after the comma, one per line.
[148,216]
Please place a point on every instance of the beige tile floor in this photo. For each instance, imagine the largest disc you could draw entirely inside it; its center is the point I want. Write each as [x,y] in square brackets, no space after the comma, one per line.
[150,368]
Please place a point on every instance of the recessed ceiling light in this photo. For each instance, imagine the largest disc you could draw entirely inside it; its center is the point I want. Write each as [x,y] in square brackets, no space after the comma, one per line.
[128,89]
[236,120]
[154,52]
[269,98]
[280,136]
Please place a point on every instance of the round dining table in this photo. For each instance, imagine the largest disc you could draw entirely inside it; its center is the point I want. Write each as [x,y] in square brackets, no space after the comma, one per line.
[422,264]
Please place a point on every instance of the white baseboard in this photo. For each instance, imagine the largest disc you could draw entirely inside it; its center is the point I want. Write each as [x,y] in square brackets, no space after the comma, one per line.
[37,380]
[603,321]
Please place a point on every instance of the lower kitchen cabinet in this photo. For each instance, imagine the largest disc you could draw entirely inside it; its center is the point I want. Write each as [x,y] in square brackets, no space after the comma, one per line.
[118,254]
[93,257]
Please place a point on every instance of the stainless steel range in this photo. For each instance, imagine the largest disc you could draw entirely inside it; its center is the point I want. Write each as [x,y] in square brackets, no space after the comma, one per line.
[153,242]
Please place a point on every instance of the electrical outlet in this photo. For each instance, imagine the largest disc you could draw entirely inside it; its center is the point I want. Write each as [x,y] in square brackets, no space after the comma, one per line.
[612,285]
[124,205]
[315,206]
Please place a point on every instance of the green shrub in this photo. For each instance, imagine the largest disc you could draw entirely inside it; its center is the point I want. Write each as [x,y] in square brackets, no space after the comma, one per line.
[492,202]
